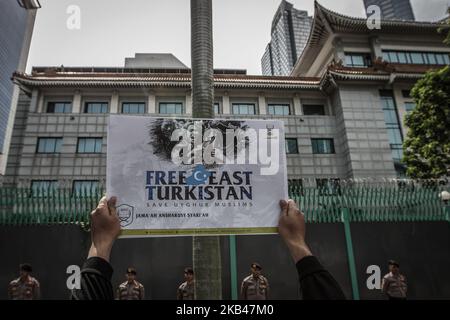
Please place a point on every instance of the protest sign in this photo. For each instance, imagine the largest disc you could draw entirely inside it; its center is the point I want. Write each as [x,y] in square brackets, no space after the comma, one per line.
[196,177]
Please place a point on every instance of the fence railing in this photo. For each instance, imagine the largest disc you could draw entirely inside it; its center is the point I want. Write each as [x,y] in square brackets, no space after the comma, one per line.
[23,206]
[363,202]
[372,202]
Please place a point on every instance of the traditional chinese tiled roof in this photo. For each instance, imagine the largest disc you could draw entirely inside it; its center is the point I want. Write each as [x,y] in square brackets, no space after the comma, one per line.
[342,23]
[381,70]
[327,22]
[150,80]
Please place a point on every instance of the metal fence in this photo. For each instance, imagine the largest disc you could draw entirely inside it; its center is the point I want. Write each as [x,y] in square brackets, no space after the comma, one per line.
[24,206]
[360,201]
[373,201]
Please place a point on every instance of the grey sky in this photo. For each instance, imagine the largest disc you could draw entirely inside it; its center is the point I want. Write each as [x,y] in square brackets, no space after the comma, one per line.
[114,29]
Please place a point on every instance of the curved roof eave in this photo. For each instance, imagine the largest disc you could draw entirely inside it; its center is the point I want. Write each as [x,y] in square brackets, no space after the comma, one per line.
[326,20]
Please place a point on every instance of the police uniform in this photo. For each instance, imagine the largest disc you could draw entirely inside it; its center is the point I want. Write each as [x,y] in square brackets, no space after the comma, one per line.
[395,286]
[28,289]
[186,291]
[255,288]
[130,291]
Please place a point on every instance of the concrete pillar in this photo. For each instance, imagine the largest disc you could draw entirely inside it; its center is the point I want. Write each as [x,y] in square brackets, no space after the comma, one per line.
[151,102]
[189,102]
[114,102]
[298,111]
[40,106]
[34,103]
[262,104]
[339,54]
[226,109]
[76,103]
[376,48]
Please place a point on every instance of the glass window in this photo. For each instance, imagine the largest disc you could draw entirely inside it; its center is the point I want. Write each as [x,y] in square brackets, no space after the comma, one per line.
[42,188]
[49,145]
[393,57]
[243,108]
[402,58]
[388,102]
[89,145]
[410,106]
[446,58]
[417,58]
[216,108]
[431,58]
[313,110]
[442,58]
[133,107]
[397,152]
[279,109]
[348,60]
[358,60]
[393,128]
[59,107]
[322,146]
[291,146]
[395,137]
[81,187]
[390,116]
[171,108]
[96,107]
[408,57]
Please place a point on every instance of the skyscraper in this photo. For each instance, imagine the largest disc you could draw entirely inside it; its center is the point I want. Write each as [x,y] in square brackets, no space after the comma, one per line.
[16,27]
[289,35]
[393,9]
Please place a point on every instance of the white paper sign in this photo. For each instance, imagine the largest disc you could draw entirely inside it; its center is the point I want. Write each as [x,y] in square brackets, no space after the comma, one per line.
[196,177]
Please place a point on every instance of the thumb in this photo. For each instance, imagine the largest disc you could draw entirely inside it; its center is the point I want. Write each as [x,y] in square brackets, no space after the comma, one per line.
[284,207]
[112,204]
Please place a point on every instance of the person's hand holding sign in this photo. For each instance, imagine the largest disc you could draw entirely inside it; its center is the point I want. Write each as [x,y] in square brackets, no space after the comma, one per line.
[292,229]
[105,228]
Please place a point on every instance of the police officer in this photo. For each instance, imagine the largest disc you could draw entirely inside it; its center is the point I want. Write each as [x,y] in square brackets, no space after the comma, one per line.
[255,286]
[130,289]
[186,289]
[25,287]
[394,284]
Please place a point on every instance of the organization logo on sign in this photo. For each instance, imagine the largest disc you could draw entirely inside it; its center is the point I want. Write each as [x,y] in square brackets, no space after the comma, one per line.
[126,214]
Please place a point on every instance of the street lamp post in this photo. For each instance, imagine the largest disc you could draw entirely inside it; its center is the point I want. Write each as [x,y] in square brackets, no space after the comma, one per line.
[205,250]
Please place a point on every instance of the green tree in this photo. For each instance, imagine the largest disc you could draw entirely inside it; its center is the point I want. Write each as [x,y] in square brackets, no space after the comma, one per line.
[446,29]
[427,146]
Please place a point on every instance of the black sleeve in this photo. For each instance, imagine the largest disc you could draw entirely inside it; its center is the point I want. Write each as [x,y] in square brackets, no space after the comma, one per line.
[95,282]
[316,283]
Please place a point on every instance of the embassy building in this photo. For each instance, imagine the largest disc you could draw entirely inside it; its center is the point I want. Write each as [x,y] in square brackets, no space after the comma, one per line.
[343,105]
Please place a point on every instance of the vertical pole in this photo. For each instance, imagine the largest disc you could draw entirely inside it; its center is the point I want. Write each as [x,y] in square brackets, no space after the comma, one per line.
[350,255]
[206,253]
[447,210]
[233,268]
